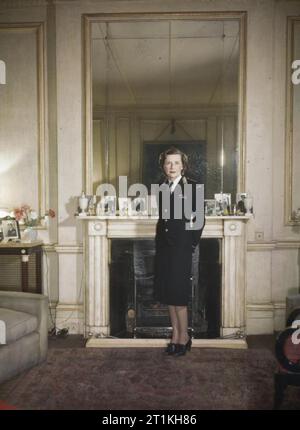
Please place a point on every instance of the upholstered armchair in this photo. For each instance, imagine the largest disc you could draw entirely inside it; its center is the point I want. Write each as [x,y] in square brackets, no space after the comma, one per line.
[25,330]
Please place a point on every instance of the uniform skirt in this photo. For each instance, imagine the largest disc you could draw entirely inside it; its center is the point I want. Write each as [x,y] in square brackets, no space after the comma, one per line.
[172,281]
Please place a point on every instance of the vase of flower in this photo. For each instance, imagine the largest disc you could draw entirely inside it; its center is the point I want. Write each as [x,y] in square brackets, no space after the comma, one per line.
[30,234]
[31,220]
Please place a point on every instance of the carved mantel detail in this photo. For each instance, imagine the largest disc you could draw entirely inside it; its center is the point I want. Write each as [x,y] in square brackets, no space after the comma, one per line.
[97,234]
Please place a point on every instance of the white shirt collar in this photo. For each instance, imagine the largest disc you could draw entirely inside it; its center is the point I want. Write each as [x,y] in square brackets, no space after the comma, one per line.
[175,182]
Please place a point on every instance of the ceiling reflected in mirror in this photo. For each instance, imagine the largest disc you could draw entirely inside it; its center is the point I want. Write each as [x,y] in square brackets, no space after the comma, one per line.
[163,81]
[165,63]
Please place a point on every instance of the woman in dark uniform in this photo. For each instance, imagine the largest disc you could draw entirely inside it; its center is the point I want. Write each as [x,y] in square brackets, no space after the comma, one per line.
[174,247]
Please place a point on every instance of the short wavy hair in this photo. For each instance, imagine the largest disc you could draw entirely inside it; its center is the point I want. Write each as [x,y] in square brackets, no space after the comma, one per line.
[173,151]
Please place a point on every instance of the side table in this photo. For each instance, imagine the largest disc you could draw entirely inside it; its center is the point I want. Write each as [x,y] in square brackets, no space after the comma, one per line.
[25,250]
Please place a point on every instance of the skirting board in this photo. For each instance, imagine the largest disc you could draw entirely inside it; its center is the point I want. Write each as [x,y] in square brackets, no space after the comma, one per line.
[161,343]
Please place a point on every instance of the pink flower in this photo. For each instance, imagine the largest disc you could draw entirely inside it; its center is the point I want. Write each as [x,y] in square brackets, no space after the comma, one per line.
[29,217]
[51,213]
[18,213]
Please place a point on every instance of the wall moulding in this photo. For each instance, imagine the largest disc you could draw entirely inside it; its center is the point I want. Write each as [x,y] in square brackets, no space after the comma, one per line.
[69,249]
[292,126]
[49,248]
[39,132]
[265,307]
[265,317]
[17,4]
[273,245]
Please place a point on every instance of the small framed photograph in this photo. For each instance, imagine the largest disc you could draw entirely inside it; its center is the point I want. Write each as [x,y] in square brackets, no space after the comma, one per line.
[138,206]
[10,229]
[124,204]
[244,203]
[210,207]
[108,205]
[223,203]
[240,202]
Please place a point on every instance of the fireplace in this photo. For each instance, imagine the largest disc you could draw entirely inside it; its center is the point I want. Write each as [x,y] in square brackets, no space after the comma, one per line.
[99,234]
[134,312]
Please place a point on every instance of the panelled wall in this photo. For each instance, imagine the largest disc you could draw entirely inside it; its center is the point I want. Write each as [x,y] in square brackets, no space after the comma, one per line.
[22,121]
[42,161]
[28,165]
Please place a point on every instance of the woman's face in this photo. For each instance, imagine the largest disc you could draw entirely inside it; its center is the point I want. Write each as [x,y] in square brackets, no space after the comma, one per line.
[173,166]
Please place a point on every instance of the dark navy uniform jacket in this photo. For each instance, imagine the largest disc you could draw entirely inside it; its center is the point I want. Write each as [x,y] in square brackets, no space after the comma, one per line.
[174,248]
[171,231]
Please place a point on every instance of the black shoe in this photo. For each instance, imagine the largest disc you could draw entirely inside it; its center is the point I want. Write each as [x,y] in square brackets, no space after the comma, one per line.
[171,348]
[182,349]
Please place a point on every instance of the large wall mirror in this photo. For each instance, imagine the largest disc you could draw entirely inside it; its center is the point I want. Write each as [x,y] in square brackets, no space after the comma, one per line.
[292,183]
[153,81]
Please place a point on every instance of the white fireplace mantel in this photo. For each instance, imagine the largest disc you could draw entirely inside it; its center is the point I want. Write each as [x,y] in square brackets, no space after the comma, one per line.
[98,230]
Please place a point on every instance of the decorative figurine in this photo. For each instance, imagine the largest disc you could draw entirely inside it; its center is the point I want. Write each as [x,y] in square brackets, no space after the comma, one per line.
[83,204]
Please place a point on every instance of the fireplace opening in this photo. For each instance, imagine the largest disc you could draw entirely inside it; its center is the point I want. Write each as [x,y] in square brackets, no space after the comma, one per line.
[134,313]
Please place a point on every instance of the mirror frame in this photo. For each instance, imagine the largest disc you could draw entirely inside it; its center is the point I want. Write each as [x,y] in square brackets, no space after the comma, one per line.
[88,19]
[288,204]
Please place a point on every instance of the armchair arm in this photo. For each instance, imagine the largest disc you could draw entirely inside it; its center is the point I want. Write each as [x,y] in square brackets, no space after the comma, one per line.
[35,304]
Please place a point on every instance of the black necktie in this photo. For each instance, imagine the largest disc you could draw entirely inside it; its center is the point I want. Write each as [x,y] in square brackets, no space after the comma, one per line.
[170,185]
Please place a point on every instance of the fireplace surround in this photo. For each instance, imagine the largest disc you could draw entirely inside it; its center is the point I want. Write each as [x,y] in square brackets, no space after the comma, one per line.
[98,232]
[134,311]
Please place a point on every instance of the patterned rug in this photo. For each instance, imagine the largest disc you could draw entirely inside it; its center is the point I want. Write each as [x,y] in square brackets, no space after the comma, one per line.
[140,378]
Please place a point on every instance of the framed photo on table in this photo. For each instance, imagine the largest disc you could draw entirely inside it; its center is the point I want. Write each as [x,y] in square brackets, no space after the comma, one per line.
[10,229]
